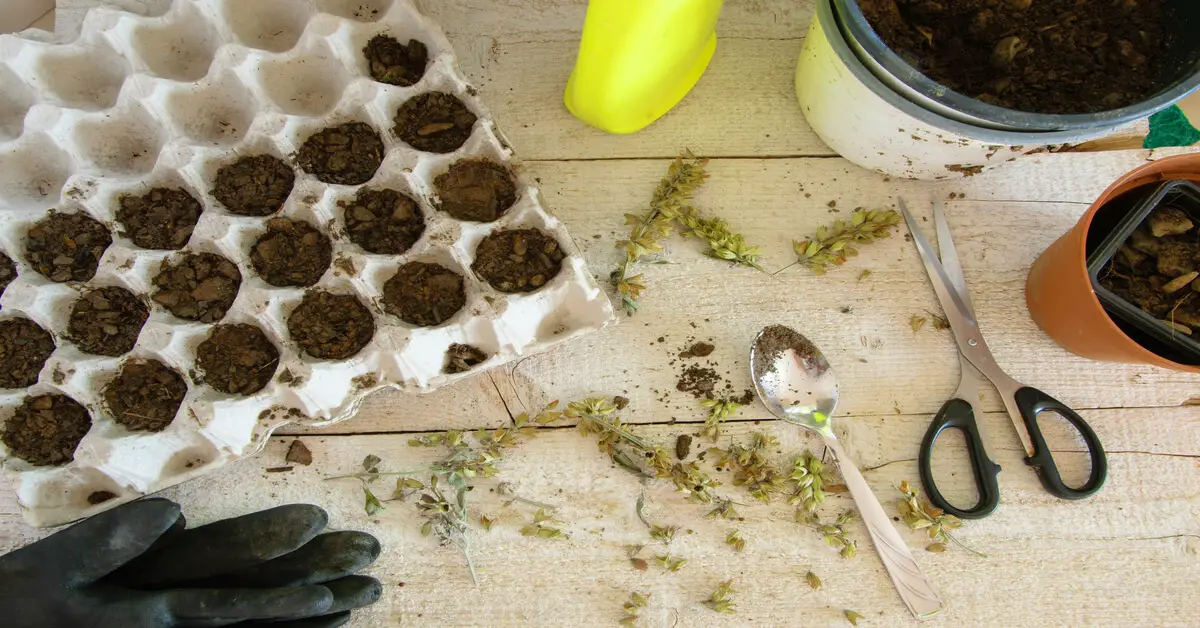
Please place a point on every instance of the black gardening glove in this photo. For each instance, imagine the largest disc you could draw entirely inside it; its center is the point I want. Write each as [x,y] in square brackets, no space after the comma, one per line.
[137,566]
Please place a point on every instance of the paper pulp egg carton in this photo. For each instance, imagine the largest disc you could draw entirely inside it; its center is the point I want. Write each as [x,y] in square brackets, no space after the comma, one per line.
[138,102]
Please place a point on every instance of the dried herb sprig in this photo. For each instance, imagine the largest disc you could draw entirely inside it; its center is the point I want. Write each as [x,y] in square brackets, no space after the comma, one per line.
[833,245]
[670,563]
[718,411]
[722,243]
[665,534]
[447,520]
[637,601]
[834,534]
[919,514]
[810,476]
[545,526]
[724,510]
[814,582]
[750,466]
[735,540]
[851,616]
[721,600]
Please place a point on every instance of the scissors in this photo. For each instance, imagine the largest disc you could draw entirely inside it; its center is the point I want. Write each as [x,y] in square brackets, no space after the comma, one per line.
[1023,403]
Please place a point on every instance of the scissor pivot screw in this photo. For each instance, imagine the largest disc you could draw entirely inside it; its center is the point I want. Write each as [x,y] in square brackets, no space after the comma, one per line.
[972,342]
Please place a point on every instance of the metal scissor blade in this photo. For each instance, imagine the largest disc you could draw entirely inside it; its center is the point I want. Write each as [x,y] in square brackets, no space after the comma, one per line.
[949,257]
[958,313]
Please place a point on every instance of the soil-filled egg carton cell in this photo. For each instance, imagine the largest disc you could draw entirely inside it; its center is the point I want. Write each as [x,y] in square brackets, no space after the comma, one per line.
[222,216]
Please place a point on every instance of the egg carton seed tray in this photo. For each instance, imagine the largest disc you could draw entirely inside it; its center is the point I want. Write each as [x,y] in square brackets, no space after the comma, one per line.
[136,103]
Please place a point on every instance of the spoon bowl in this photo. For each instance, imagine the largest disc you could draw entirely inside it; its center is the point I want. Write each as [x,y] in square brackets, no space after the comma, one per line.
[796,383]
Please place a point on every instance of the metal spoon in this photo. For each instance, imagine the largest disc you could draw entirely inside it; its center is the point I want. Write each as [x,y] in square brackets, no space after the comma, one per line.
[796,383]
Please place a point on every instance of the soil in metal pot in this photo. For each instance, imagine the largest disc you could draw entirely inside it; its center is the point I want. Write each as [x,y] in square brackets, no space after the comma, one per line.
[291,253]
[145,395]
[24,348]
[237,359]
[435,122]
[198,287]
[1044,56]
[66,247]
[346,154]
[331,326]
[161,219]
[107,321]
[383,221]
[518,260]
[46,429]
[394,63]
[477,190]
[462,358]
[8,272]
[424,294]
[1158,268]
[254,186]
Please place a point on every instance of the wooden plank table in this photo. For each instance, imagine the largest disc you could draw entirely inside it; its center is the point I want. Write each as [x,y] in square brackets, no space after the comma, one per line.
[1129,555]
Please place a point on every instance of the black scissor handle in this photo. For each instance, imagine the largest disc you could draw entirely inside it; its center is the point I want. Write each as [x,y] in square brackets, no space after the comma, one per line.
[1032,402]
[957,414]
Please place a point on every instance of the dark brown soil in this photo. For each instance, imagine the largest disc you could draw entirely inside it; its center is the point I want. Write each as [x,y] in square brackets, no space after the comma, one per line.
[66,247]
[161,219]
[145,395]
[518,260]
[683,446]
[298,453]
[698,350]
[107,321]
[46,429]
[198,286]
[24,348]
[8,272]
[1046,56]
[291,253]
[331,326]
[254,186]
[477,190]
[99,497]
[347,154]
[394,63]
[1157,268]
[434,122]
[424,294]
[698,381]
[383,221]
[462,358]
[237,359]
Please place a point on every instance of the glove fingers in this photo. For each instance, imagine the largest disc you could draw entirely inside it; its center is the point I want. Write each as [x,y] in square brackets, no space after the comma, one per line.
[324,621]
[353,592]
[90,549]
[326,557]
[225,546]
[220,607]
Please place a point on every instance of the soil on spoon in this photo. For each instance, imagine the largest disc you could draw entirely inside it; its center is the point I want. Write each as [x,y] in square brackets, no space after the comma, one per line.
[254,186]
[1045,56]
[347,154]
[434,122]
[46,429]
[291,253]
[476,190]
[107,321]
[383,221]
[424,294]
[462,358]
[66,247]
[24,349]
[161,219]
[518,260]
[8,272]
[776,340]
[331,326]
[237,359]
[394,63]
[1158,268]
[145,395]
[198,287]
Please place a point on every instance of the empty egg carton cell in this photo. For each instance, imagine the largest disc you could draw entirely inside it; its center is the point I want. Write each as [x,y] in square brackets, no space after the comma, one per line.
[272,25]
[107,321]
[24,349]
[145,395]
[237,359]
[15,100]
[124,141]
[308,83]
[435,122]
[345,154]
[66,246]
[33,171]
[254,185]
[331,326]
[360,10]
[179,46]
[87,75]
[291,253]
[216,111]
[197,286]
[46,429]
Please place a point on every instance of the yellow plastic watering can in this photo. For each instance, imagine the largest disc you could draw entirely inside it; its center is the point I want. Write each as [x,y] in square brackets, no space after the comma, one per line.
[638,59]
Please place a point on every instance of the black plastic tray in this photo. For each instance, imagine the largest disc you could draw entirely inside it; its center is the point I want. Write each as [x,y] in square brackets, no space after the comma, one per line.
[1143,328]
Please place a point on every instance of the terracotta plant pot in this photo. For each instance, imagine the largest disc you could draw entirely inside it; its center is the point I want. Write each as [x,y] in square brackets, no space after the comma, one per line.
[1059,290]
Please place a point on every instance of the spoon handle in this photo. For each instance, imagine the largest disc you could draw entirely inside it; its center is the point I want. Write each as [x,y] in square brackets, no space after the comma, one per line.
[916,592]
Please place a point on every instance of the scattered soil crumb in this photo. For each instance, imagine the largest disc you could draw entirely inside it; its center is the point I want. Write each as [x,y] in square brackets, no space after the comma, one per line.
[66,247]
[363,382]
[288,378]
[476,190]
[698,350]
[161,219]
[424,294]
[344,265]
[346,154]
[107,321]
[145,395]
[99,497]
[254,186]
[237,359]
[24,349]
[278,469]
[198,286]
[46,429]
[461,358]
[291,253]
[518,260]
[434,122]
[620,402]
[683,446]
[394,63]
[698,381]
[298,453]
[331,326]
